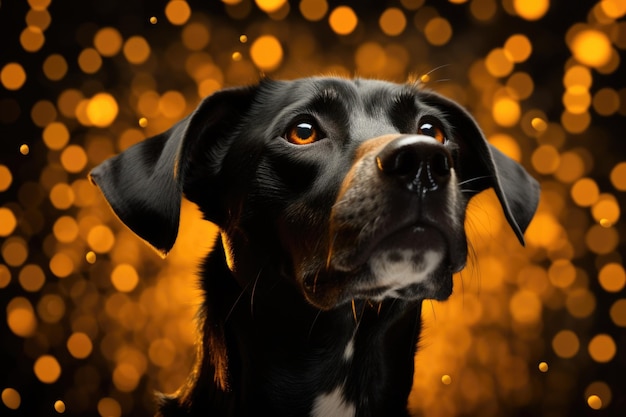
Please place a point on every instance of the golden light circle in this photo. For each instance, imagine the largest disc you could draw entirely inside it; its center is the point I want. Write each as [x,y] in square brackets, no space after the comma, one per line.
[13,76]
[108,41]
[266,53]
[47,369]
[11,398]
[531,10]
[177,12]
[343,20]
[591,47]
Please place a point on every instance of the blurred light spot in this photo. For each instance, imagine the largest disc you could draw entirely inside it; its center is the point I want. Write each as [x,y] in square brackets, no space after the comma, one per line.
[543,367]
[370,58]
[392,21]
[507,145]
[32,39]
[13,76]
[55,67]
[21,317]
[177,12]
[39,4]
[618,176]
[446,379]
[126,377]
[143,122]
[343,20]
[32,277]
[11,398]
[74,159]
[89,61]
[100,239]
[562,273]
[601,240]
[606,210]
[483,10]
[267,53]
[539,124]
[412,4]
[136,50]
[130,137]
[43,113]
[154,20]
[79,345]
[606,102]
[237,56]
[594,402]
[506,111]
[59,406]
[8,222]
[565,344]
[577,75]
[6,178]
[545,159]
[521,84]
[124,277]
[172,104]
[14,251]
[102,110]
[580,303]
[24,149]
[65,229]
[313,10]
[47,369]
[56,136]
[270,6]
[68,102]
[162,352]
[61,265]
[51,308]
[195,36]
[613,8]
[5,276]
[518,48]
[618,312]
[575,122]
[571,167]
[525,307]
[498,63]
[38,18]
[577,99]
[62,196]
[243,39]
[602,348]
[585,192]
[531,9]
[438,31]
[108,41]
[108,407]
[591,47]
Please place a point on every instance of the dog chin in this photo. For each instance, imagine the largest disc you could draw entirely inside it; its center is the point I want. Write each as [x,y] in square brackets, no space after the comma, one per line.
[403,273]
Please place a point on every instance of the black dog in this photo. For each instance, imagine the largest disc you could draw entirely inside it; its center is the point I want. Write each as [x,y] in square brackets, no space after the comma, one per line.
[341,205]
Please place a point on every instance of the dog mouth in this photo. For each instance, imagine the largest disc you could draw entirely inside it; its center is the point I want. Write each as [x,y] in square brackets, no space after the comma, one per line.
[409,263]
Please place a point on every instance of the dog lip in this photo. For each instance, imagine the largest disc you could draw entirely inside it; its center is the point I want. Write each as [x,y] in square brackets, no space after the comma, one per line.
[411,235]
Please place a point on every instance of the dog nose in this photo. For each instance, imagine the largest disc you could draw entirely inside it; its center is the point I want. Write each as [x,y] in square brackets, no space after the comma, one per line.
[420,163]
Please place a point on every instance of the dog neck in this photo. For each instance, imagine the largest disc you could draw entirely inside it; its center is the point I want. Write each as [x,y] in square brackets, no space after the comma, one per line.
[288,358]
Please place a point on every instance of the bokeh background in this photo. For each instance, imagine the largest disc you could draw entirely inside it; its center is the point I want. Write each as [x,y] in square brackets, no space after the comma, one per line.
[93,321]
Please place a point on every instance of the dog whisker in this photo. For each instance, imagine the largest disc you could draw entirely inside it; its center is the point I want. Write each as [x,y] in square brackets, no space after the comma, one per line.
[243,291]
[256,280]
[354,312]
[482,177]
[319,312]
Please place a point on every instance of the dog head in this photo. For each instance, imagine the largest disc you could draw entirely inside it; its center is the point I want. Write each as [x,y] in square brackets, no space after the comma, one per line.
[344,188]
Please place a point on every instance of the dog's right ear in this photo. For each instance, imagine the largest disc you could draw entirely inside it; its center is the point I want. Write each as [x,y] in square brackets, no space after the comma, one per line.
[144,184]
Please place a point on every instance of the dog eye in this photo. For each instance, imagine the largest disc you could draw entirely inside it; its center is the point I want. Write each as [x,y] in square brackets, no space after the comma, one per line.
[429,129]
[302,134]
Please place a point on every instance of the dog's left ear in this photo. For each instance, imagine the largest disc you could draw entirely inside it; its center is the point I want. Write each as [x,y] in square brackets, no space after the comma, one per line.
[484,166]
[144,185]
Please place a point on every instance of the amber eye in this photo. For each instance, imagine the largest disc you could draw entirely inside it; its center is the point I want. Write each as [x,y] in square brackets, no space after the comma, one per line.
[432,130]
[302,134]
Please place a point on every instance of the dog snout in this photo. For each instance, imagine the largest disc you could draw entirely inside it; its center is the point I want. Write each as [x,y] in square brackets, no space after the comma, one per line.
[420,163]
